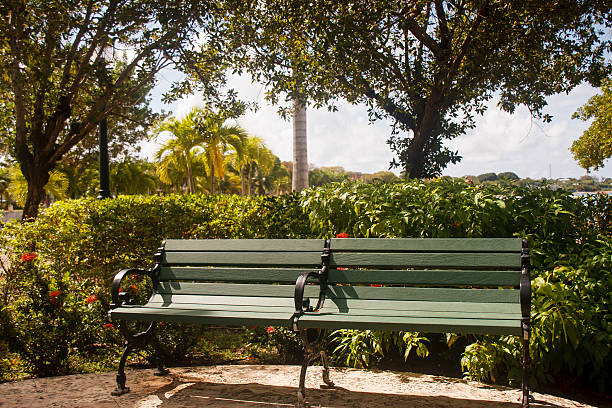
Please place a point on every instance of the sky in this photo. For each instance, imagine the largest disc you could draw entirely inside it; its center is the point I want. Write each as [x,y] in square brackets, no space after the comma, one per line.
[499,142]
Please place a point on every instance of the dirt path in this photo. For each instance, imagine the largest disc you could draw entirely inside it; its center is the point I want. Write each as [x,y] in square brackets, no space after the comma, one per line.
[265,386]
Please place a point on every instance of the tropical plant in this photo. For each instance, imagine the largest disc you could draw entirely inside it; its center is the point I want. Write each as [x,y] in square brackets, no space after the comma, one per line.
[181,151]
[216,138]
[132,177]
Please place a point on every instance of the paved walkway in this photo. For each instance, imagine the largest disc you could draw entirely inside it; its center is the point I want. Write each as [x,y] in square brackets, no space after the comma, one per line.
[265,386]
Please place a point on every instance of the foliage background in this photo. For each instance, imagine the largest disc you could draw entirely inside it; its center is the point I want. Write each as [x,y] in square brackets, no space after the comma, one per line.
[80,244]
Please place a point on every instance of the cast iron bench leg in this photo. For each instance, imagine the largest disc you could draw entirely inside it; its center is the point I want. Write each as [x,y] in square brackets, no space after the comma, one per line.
[121,388]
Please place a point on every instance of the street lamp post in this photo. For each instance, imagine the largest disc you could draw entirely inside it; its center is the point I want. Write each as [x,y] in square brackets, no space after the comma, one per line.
[104,191]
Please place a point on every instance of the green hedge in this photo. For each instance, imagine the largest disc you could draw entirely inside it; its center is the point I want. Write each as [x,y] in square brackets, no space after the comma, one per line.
[80,244]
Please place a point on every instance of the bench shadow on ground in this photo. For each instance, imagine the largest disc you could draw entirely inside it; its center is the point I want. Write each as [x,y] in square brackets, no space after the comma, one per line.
[210,394]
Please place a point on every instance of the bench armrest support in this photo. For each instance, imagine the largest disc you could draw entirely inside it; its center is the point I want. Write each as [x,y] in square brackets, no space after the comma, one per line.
[525,291]
[303,304]
[121,298]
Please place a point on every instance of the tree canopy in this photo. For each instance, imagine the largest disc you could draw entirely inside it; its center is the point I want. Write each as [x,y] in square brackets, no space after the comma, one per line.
[66,65]
[428,66]
[595,144]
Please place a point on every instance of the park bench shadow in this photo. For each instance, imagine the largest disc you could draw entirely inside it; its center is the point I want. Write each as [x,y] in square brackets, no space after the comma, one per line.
[210,394]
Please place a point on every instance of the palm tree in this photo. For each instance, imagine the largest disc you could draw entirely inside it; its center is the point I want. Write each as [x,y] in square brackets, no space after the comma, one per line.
[300,150]
[180,151]
[217,139]
[132,177]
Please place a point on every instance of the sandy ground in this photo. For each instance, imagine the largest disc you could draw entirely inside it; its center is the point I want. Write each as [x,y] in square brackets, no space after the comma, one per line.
[265,386]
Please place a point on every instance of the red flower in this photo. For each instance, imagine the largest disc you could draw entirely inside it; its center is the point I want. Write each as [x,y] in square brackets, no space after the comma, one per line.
[134,276]
[109,326]
[29,257]
[53,296]
[342,235]
[133,287]
[270,329]
[91,298]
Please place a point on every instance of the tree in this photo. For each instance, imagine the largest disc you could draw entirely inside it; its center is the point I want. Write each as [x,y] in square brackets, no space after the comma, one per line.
[55,77]
[216,137]
[55,189]
[182,150]
[508,175]
[595,144]
[429,66]
[132,177]
[299,175]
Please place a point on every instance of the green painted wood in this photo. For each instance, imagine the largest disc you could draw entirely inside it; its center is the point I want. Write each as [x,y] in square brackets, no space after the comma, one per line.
[233,289]
[341,304]
[409,305]
[424,294]
[229,318]
[245,245]
[427,277]
[428,325]
[423,260]
[168,299]
[232,274]
[383,314]
[312,259]
[428,244]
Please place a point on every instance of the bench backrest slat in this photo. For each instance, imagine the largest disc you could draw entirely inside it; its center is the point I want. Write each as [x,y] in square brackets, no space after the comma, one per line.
[311,259]
[428,259]
[427,244]
[244,245]
[439,277]
[232,289]
[424,294]
[286,275]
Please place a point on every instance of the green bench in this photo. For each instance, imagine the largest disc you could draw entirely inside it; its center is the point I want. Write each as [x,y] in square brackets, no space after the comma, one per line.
[438,285]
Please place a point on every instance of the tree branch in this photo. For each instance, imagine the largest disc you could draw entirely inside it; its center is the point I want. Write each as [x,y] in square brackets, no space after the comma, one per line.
[423,37]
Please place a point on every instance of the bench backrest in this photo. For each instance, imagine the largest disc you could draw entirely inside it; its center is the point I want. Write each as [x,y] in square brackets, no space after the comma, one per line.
[484,270]
[231,267]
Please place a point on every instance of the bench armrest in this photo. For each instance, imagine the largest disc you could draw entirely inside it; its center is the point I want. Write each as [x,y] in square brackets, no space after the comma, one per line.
[303,304]
[120,298]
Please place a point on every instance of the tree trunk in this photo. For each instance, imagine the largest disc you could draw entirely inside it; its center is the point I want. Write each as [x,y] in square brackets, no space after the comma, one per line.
[250,175]
[299,179]
[242,180]
[190,182]
[212,178]
[37,180]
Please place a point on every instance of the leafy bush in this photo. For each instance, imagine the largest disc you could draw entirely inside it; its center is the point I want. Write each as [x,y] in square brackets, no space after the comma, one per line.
[569,240]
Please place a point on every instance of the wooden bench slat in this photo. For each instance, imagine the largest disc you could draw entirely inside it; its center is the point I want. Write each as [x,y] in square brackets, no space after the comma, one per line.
[428,244]
[233,289]
[426,277]
[245,245]
[433,325]
[424,294]
[223,300]
[231,274]
[384,313]
[230,318]
[337,304]
[428,259]
[312,259]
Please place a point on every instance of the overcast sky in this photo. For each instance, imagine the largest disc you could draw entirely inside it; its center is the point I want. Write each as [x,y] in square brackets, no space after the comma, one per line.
[499,142]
